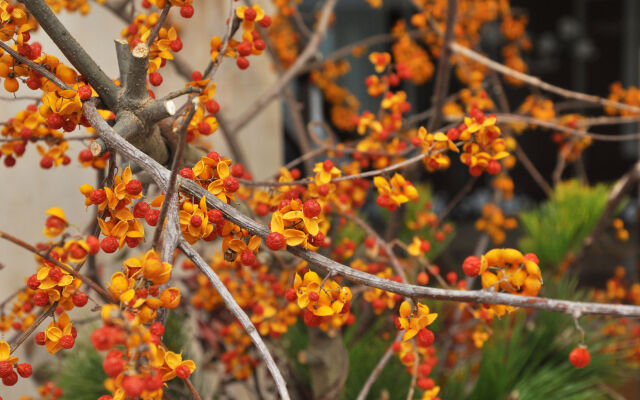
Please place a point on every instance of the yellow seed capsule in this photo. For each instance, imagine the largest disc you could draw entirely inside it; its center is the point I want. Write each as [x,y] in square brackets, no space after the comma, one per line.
[512,256]
[489,279]
[495,258]
[532,268]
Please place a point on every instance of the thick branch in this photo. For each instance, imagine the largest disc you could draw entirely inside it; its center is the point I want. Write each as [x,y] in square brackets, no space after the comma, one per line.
[161,175]
[71,49]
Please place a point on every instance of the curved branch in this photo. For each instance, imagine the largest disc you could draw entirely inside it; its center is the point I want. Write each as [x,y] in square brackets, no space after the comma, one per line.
[161,175]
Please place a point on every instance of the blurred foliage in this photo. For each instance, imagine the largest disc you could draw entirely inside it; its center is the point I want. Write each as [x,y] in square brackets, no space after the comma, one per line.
[562,222]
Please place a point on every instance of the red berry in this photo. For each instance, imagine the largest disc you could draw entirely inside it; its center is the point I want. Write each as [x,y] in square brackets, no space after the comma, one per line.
[25,370]
[242,63]
[247,258]
[85,156]
[259,44]
[84,92]
[176,45]
[157,329]
[9,161]
[133,386]
[215,216]
[244,48]
[67,341]
[275,241]
[183,372]
[204,128]
[494,167]
[187,173]
[196,76]
[265,22]
[580,357]
[10,379]
[55,274]
[34,83]
[41,339]
[33,283]
[426,383]
[212,106]
[41,299]
[311,208]
[152,217]
[314,296]
[532,257]
[141,209]
[250,14]
[452,277]
[186,11]
[94,244]
[112,366]
[98,196]
[237,170]
[69,126]
[291,295]
[46,162]
[109,244]
[5,368]
[327,165]
[134,187]
[155,78]
[471,266]
[231,184]
[425,337]
[80,299]
[196,221]
[55,121]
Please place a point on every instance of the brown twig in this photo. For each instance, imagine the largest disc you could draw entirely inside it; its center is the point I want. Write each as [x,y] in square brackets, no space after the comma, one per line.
[192,389]
[259,105]
[537,82]
[158,26]
[49,138]
[239,313]
[377,370]
[37,67]
[24,335]
[105,296]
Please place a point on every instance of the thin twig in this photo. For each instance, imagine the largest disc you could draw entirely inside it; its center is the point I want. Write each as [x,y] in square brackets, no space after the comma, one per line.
[37,67]
[239,313]
[259,105]
[192,389]
[24,335]
[105,296]
[377,370]
[158,26]
[537,82]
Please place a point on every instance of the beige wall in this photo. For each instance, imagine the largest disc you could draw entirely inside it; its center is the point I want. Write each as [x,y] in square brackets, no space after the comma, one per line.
[27,190]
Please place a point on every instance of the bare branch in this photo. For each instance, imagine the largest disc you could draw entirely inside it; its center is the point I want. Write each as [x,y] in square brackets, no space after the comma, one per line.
[161,175]
[103,293]
[537,82]
[242,317]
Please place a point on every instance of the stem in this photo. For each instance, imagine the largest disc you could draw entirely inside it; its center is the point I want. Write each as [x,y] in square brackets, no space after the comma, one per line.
[103,293]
